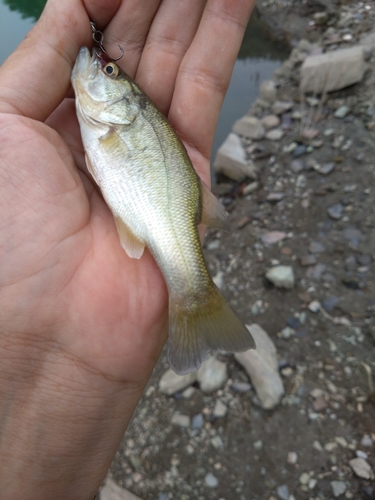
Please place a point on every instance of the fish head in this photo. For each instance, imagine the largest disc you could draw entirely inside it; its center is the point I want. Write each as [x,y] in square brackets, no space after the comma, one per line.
[104,94]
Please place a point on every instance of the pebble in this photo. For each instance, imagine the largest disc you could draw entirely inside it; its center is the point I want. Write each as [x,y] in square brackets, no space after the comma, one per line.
[361,468]
[275,196]
[275,134]
[297,166]
[367,441]
[250,188]
[342,112]
[211,481]
[299,150]
[270,121]
[338,488]
[336,211]
[304,478]
[292,457]
[308,260]
[212,375]
[327,168]
[170,382]
[197,421]
[240,386]
[180,420]
[316,247]
[283,492]
[287,332]
[281,276]
[281,107]
[272,237]
[330,303]
[220,409]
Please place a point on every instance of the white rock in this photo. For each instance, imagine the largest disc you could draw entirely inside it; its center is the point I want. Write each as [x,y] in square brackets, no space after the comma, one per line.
[361,468]
[212,375]
[111,491]
[281,107]
[231,160]
[268,91]
[170,382]
[333,70]
[249,126]
[262,367]
[281,276]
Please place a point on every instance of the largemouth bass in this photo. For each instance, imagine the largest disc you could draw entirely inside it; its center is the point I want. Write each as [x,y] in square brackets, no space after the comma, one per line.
[157,200]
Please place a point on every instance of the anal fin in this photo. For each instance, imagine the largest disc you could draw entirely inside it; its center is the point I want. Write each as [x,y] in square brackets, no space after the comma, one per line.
[213,213]
[130,243]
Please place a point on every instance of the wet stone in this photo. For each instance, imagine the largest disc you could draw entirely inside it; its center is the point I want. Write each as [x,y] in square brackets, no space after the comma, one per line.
[336,211]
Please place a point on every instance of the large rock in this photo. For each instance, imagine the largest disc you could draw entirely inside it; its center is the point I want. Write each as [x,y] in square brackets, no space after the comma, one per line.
[250,127]
[262,367]
[170,382]
[212,375]
[231,160]
[333,70]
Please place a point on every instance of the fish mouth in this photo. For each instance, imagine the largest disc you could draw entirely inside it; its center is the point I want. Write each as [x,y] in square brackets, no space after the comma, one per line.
[86,66]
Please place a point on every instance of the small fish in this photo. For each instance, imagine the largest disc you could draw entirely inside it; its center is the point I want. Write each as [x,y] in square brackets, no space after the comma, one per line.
[157,200]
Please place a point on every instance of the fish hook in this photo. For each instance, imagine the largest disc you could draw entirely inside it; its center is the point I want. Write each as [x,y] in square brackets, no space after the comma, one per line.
[98,38]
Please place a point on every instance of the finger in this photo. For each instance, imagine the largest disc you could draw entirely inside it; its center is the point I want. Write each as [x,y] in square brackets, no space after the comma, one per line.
[171,33]
[205,72]
[129,29]
[36,77]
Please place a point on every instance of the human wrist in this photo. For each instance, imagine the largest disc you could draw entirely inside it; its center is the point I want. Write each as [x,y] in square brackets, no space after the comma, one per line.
[61,423]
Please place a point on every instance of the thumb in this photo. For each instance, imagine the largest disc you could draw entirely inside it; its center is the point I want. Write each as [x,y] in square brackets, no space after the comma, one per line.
[36,77]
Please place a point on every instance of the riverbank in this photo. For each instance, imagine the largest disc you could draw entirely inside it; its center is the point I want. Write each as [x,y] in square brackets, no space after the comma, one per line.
[308,206]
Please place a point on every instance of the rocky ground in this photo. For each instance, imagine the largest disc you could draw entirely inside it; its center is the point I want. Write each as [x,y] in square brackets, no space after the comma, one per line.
[299,262]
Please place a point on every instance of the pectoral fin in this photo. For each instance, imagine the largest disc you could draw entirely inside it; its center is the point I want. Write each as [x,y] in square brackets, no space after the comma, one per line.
[132,245]
[213,213]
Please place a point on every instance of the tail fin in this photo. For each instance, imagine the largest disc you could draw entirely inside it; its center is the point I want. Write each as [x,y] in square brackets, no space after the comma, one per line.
[197,329]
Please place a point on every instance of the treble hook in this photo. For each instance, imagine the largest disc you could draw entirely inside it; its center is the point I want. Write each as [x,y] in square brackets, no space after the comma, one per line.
[98,38]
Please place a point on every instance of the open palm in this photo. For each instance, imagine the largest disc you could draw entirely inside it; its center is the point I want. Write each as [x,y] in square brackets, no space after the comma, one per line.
[80,322]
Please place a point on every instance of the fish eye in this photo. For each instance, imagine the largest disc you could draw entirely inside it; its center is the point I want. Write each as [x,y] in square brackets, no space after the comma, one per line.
[111,69]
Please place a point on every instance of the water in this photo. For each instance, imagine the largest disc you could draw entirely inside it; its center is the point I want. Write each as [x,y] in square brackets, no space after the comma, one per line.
[258,59]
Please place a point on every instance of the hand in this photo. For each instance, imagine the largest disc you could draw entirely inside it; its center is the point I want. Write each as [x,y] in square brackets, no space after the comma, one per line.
[81,324]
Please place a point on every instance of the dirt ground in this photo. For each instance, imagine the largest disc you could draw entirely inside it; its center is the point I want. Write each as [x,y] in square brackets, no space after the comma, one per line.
[302,448]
